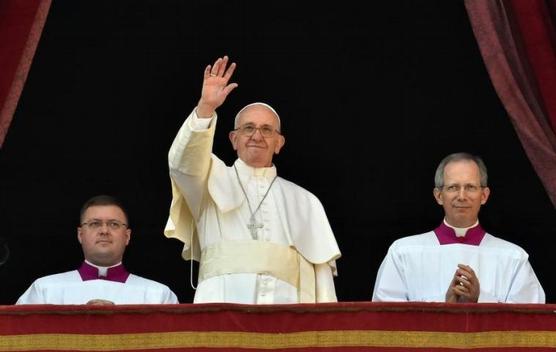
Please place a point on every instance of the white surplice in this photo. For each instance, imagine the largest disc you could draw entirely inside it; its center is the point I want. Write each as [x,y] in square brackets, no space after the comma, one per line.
[69,288]
[418,268]
[209,207]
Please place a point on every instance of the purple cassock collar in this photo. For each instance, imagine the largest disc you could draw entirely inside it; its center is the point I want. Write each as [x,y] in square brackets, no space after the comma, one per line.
[116,273]
[447,235]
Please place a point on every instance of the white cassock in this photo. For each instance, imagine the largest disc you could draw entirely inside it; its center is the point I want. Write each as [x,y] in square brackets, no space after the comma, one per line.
[69,288]
[291,255]
[419,268]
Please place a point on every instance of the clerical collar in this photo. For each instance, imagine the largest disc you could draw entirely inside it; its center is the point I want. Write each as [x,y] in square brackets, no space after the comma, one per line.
[447,234]
[248,171]
[89,271]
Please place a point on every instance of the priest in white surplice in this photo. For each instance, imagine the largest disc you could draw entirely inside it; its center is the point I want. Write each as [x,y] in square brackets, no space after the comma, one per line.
[259,238]
[101,279]
[458,261]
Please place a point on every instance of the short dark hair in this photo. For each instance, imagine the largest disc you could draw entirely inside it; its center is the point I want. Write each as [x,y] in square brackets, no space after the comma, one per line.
[100,200]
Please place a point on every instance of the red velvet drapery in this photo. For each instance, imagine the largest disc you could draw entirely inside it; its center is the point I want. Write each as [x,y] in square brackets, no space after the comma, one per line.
[345,327]
[517,39]
[20,29]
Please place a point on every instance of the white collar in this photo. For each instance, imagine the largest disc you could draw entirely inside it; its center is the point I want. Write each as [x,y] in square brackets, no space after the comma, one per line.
[102,270]
[460,231]
[246,171]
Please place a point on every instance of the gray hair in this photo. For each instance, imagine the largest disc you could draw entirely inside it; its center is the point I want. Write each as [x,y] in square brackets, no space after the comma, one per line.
[236,120]
[439,174]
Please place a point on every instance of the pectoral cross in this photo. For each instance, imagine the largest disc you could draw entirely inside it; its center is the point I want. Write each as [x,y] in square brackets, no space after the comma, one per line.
[253,226]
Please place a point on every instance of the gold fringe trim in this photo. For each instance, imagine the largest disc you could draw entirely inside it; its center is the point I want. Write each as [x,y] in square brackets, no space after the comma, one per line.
[306,339]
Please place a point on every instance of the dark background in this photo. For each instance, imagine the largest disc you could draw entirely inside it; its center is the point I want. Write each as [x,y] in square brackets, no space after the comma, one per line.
[371,96]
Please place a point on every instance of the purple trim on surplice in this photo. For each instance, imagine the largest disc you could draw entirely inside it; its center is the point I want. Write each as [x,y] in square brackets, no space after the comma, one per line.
[447,235]
[116,273]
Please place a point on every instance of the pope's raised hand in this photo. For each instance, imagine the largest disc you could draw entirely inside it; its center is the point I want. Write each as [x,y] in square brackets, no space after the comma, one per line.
[216,86]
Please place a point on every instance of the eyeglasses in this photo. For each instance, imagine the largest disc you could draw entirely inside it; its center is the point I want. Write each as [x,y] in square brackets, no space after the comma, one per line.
[468,188]
[98,224]
[249,130]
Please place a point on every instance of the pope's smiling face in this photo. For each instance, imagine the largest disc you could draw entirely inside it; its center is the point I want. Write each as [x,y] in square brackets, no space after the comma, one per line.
[252,147]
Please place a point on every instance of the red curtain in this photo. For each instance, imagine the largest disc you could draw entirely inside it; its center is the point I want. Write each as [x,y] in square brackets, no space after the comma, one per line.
[20,29]
[517,39]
